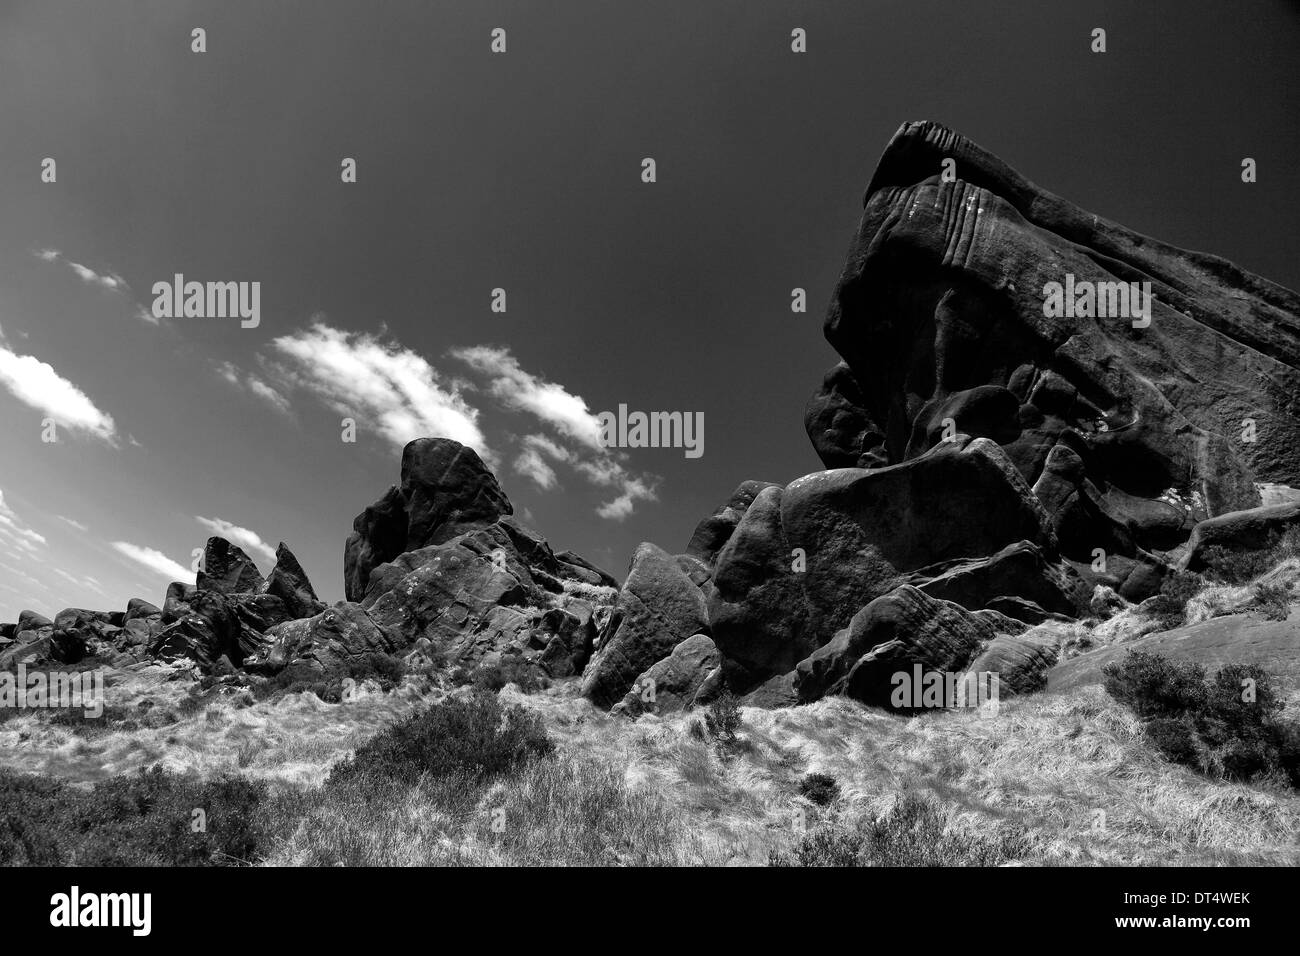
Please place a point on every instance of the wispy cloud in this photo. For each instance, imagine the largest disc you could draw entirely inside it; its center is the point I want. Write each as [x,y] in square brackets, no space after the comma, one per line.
[256,386]
[155,561]
[38,385]
[73,524]
[520,390]
[634,490]
[382,383]
[246,539]
[604,471]
[15,531]
[105,280]
[576,440]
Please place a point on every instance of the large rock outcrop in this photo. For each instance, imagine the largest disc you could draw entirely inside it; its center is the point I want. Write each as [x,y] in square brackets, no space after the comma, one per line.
[445,490]
[1130,432]
[994,454]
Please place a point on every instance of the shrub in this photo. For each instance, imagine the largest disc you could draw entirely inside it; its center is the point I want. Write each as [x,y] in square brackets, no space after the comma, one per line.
[914,832]
[1169,607]
[144,819]
[1228,727]
[820,788]
[1154,686]
[509,670]
[1237,567]
[474,736]
[1274,600]
[1175,738]
[722,719]
[387,669]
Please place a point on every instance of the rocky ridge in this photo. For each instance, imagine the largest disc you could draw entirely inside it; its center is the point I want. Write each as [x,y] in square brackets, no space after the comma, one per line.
[990,470]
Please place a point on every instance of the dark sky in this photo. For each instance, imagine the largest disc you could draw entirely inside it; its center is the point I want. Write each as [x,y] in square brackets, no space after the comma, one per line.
[521,171]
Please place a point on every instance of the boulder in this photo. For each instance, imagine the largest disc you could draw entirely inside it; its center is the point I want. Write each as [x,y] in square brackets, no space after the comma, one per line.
[448,490]
[657,608]
[31,621]
[445,490]
[1019,570]
[714,531]
[1020,661]
[205,625]
[226,568]
[331,642]
[690,676]
[444,593]
[804,559]
[288,582]
[892,634]
[838,425]
[568,636]
[1246,530]
[378,536]
[1126,430]
[579,568]
[140,609]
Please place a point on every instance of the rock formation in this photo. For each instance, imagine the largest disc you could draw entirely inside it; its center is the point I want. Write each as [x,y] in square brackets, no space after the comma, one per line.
[994,460]
[998,460]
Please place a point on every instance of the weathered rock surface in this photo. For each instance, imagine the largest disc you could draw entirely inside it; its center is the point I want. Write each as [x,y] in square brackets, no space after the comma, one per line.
[658,607]
[688,677]
[804,559]
[1235,638]
[1129,435]
[288,581]
[1020,661]
[1018,571]
[445,490]
[1247,530]
[226,568]
[331,642]
[892,634]
[714,531]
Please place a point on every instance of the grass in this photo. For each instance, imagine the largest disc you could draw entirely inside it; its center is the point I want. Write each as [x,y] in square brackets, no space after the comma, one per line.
[914,832]
[1033,779]
[147,819]
[1239,567]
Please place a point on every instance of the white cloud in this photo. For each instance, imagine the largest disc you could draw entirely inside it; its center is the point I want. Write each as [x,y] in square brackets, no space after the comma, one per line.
[35,383]
[106,280]
[573,422]
[268,394]
[15,531]
[246,539]
[74,524]
[254,385]
[531,464]
[523,391]
[634,490]
[383,383]
[154,560]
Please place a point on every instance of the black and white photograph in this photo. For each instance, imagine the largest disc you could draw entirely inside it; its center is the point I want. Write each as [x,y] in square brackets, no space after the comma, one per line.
[768,435]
